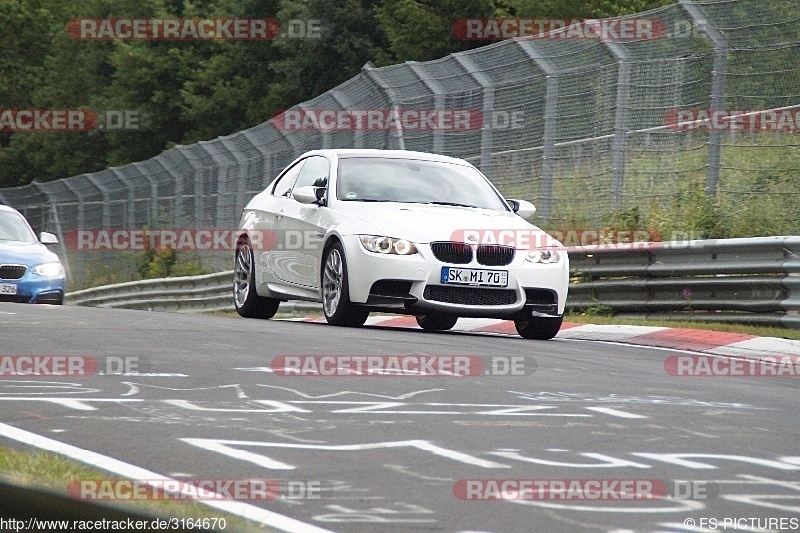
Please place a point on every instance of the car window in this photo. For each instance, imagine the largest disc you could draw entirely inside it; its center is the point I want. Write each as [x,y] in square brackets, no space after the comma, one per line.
[315,172]
[372,179]
[284,184]
[14,228]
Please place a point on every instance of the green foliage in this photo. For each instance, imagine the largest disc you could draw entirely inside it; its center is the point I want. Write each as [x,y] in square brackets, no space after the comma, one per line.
[423,31]
[197,90]
[594,311]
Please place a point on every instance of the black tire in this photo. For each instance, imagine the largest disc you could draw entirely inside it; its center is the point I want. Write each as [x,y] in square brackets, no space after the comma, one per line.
[336,304]
[540,328]
[436,321]
[245,299]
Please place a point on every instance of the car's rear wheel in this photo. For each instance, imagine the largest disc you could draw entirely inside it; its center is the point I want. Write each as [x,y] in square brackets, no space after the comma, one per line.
[247,302]
[535,327]
[336,304]
[436,321]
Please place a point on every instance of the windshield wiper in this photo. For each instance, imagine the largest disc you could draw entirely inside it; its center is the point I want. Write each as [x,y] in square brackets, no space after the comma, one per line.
[451,203]
[364,200]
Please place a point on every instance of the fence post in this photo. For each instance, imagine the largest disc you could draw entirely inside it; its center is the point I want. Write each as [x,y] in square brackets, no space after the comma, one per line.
[469,65]
[340,97]
[619,145]
[418,69]
[550,122]
[374,76]
[54,213]
[80,224]
[718,73]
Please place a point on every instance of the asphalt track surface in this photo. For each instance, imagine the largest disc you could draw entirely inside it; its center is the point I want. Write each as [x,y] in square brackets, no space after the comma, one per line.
[392,451]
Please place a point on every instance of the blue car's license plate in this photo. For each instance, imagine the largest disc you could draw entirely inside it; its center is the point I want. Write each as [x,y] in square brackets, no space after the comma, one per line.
[8,288]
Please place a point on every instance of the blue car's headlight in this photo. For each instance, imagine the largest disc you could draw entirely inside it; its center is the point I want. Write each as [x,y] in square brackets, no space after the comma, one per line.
[49,270]
[543,255]
[387,245]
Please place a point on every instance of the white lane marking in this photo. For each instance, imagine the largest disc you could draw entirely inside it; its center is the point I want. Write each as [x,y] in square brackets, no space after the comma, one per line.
[607,461]
[79,405]
[121,468]
[406,470]
[277,407]
[615,412]
[344,393]
[146,375]
[134,388]
[257,369]
[225,447]
[675,506]
[683,459]
[65,387]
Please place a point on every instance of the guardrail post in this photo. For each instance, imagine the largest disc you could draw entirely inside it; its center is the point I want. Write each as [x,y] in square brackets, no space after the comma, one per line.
[791,305]
[718,78]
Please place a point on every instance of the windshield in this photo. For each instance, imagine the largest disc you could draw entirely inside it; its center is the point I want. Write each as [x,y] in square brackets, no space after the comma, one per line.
[372,179]
[14,228]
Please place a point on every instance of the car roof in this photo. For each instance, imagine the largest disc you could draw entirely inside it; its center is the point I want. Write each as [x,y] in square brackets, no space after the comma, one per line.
[4,207]
[342,153]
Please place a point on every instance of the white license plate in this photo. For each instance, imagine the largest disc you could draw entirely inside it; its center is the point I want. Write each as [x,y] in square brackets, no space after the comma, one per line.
[8,288]
[474,277]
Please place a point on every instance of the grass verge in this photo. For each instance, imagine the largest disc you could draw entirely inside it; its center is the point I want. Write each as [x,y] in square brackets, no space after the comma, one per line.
[761,331]
[52,473]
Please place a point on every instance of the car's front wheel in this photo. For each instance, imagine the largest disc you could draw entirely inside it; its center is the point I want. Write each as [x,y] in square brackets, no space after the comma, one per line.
[436,322]
[535,327]
[245,299]
[336,304]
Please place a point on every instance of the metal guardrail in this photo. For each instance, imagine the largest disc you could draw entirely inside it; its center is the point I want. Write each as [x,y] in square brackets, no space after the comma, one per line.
[189,294]
[747,281]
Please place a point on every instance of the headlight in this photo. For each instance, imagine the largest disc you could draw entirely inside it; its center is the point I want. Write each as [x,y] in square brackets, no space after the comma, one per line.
[49,270]
[545,255]
[387,245]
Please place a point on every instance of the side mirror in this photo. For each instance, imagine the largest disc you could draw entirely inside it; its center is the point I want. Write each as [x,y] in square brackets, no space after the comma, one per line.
[522,208]
[308,194]
[47,238]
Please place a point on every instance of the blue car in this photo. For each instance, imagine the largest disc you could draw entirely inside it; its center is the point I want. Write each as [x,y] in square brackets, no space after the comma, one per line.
[29,272]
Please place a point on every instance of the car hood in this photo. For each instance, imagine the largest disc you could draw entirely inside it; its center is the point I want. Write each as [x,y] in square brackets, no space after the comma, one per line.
[428,223]
[25,253]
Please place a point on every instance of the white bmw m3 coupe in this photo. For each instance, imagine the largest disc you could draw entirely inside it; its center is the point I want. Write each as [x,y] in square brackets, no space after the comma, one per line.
[400,232]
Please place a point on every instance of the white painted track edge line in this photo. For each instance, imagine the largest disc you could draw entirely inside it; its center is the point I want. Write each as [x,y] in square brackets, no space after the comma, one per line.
[115,466]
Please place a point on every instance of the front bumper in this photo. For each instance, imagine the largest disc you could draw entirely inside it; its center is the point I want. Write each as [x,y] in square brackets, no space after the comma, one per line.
[416,282]
[35,289]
